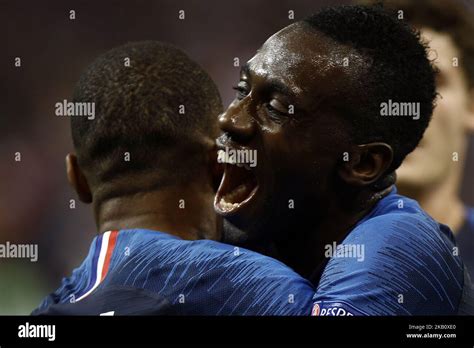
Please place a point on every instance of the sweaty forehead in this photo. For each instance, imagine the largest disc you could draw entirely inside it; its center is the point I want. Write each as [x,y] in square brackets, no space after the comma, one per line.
[306,61]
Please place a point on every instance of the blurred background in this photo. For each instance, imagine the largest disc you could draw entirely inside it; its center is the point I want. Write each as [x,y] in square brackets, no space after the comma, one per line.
[34,193]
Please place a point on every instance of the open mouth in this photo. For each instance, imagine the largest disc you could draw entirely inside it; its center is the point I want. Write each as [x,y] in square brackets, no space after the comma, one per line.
[238,186]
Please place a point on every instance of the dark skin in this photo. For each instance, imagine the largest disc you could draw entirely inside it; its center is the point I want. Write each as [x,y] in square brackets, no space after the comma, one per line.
[301,155]
[157,210]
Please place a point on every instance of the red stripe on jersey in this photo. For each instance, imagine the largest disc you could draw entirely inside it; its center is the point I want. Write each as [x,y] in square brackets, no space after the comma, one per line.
[108,255]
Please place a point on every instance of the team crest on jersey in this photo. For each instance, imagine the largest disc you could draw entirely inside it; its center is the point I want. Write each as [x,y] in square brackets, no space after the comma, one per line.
[333,309]
[316,310]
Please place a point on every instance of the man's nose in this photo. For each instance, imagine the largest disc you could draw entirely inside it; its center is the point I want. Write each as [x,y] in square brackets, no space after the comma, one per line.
[237,122]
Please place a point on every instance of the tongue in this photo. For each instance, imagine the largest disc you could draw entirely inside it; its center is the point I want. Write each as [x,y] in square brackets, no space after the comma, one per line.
[239,194]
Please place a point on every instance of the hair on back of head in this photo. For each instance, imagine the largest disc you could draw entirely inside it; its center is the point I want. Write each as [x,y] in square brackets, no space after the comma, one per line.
[153,107]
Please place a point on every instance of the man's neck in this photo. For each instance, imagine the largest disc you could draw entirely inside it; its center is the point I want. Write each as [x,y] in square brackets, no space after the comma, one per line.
[185,212]
[305,252]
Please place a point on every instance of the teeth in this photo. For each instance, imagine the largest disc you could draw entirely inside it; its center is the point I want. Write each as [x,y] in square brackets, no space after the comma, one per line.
[225,201]
[227,206]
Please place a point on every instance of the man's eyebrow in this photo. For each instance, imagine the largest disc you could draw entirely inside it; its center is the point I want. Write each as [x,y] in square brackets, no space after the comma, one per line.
[271,85]
[278,86]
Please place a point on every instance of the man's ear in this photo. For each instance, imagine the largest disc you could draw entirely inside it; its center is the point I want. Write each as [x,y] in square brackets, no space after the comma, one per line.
[77,179]
[366,164]
[470,118]
[216,169]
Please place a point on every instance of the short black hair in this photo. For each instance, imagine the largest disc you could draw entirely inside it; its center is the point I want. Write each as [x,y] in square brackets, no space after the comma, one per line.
[139,90]
[398,69]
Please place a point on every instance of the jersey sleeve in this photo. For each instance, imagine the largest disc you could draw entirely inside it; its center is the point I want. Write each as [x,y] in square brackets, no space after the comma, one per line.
[400,265]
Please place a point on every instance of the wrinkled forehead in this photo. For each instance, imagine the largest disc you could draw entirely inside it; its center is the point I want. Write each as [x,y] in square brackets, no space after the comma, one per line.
[304,59]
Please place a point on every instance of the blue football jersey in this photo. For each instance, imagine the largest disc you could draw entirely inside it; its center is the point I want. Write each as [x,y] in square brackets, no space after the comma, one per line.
[144,272]
[465,240]
[396,261]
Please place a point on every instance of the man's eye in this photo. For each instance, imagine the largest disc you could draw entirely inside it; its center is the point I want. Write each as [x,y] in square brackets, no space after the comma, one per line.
[278,106]
[274,113]
[242,90]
